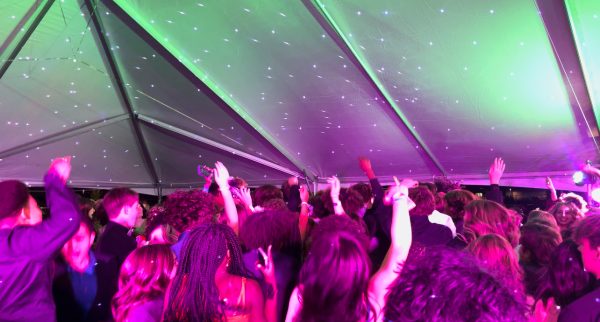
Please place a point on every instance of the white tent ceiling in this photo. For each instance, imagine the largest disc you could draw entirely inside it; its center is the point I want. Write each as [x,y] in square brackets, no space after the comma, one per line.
[141,92]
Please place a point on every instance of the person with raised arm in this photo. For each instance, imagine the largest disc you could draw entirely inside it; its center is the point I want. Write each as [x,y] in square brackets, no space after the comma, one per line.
[495,173]
[401,231]
[222,179]
[323,294]
[26,252]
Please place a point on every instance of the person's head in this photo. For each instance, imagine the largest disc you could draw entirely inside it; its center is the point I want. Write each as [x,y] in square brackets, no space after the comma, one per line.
[455,201]
[157,229]
[484,217]
[275,205]
[423,199]
[447,285]
[335,224]
[185,209]
[334,279]
[430,186]
[566,214]
[496,254]
[278,228]
[541,215]
[440,202]
[565,280]
[266,193]
[576,200]
[17,206]
[144,276]
[209,248]
[77,249]
[538,241]
[122,206]
[365,191]
[587,236]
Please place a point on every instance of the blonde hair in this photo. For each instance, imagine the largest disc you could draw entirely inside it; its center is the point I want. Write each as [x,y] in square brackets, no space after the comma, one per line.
[498,257]
[144,276]
[484,217]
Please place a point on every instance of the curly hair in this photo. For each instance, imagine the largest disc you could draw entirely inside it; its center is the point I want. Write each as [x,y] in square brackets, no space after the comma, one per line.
[266,193]
[185,209]
[448,285]
[144,276]
[270,227]
[443,184]
[566,214]
[488,217]
[157,219]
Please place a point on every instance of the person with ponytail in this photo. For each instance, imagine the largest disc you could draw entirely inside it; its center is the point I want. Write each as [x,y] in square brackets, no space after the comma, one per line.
[143,280]
[212,283]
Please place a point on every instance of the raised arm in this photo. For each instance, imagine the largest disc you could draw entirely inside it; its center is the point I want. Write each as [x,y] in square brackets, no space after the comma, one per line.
[305,210]
[334,182]
[550,185]
[45,239]
[401,241]
[222,179]
[495,173]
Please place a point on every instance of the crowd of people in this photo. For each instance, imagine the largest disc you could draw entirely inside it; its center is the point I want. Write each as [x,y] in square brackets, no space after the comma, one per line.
[416,251]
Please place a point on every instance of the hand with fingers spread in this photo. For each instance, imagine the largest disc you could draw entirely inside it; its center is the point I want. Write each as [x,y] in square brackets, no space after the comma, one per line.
[246,198]
[221,175]
[496,170]
[61,167]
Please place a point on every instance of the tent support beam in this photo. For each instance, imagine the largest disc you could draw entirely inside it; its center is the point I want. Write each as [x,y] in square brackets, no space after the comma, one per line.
[249,124]
[217,145]
[329,26]
[560,33]
[62,135]
[37,11]
[121,91]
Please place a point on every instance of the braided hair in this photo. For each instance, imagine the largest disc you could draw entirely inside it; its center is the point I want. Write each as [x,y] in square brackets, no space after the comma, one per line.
[193,294]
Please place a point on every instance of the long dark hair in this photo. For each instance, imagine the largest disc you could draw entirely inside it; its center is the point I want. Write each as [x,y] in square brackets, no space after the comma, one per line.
[565,278]
[334,280]
[193,294]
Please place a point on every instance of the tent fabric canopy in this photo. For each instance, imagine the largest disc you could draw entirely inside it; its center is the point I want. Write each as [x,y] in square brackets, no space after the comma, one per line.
[140,92]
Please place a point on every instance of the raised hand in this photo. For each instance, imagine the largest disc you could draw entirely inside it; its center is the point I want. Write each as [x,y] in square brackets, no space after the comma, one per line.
[496,170]
[334,182]
[365,165]
[398,190]
[221,175]
[61,167]
[293,181]
[268,269]
[304,195]
[246,196]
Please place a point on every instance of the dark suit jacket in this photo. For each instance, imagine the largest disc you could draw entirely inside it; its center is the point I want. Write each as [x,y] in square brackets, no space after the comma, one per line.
[67,308]
[115,243]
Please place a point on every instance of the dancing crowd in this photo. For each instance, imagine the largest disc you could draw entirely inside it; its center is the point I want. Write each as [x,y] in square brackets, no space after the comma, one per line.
[416,251]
